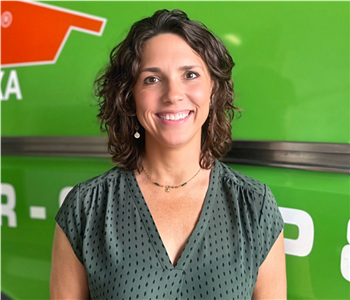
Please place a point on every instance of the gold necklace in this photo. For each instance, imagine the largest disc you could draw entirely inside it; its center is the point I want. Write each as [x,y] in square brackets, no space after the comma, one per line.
[168,187]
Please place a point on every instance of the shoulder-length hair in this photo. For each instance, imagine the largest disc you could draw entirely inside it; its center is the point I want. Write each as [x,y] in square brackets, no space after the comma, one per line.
[114,89]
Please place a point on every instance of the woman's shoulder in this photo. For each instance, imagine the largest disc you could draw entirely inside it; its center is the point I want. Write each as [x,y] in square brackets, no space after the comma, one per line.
[253,198]
[110,177]
[92,192]
[236,178]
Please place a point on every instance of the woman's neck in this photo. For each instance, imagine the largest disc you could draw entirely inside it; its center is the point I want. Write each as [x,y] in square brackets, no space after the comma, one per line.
[171,166]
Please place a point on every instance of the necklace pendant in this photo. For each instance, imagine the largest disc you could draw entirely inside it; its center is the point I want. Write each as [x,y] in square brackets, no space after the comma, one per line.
[167,188]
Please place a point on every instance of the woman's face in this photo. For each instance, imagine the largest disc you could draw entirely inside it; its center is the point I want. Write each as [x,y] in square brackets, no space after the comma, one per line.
[172,92]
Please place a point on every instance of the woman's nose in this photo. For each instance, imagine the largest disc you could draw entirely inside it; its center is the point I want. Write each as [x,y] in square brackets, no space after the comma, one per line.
[173,91]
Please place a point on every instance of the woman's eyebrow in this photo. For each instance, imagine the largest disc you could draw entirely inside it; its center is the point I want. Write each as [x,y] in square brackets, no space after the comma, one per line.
[157,70]
[185,68]
[154,70]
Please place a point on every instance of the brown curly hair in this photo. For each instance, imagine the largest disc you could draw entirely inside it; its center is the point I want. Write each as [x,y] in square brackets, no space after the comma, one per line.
[114,89]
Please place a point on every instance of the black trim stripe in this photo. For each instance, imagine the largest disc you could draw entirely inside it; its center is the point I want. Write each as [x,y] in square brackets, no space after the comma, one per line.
[322,157]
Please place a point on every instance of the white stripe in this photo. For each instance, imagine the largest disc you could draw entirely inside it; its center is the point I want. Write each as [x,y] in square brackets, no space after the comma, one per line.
[37,212]
[70,11]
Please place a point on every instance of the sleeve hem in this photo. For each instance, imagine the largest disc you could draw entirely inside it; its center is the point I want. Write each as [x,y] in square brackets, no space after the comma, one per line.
[61,223]
[273,243]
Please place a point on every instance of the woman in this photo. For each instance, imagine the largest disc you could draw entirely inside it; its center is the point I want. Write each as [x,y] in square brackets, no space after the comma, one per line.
[171,221]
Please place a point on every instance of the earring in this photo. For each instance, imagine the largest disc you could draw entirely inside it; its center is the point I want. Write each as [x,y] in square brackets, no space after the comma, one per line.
[137,134]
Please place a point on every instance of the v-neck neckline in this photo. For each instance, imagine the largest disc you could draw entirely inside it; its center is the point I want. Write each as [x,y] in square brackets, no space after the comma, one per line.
[197,233]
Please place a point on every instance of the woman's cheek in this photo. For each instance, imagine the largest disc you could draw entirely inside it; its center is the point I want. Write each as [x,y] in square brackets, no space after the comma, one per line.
[200,94]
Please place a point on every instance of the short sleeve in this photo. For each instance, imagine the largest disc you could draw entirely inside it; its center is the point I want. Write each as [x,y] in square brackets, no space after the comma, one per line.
[270,222]
[70,218]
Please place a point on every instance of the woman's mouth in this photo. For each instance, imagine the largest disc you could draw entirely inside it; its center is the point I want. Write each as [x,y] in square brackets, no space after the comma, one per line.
[174,117]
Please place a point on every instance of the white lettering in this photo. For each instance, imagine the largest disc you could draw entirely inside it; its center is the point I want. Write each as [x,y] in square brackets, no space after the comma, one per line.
[345,257]
[8,209]
[37,212]
[12,86]
[302,246]
[1,76]
[63,193]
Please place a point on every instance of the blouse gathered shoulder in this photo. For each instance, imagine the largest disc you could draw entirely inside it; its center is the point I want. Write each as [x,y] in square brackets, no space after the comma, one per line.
[112,233]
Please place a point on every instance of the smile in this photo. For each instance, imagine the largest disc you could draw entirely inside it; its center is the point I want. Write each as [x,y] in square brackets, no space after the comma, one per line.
[174,117]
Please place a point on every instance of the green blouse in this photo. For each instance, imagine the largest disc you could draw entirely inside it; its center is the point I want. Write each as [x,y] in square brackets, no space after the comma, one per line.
[112,233]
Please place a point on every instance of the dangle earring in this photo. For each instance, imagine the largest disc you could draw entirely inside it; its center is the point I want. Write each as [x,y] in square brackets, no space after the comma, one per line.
[137,134]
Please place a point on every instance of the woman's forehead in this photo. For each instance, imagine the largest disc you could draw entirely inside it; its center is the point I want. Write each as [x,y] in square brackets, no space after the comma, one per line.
[169,48]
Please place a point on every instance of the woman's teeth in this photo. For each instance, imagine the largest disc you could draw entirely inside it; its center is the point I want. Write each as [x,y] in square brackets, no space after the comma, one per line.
[176,117]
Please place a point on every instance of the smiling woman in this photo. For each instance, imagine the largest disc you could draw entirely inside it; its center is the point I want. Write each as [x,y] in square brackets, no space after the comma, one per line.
[171,221]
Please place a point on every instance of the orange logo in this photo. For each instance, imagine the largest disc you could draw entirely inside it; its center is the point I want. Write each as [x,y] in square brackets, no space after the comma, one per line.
[34,33]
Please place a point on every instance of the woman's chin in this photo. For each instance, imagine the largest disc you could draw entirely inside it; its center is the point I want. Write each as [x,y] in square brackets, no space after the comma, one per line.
[175,141]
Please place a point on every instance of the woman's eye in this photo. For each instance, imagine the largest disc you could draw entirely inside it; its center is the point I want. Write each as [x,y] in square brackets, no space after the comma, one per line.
[151,80]
[191,75]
